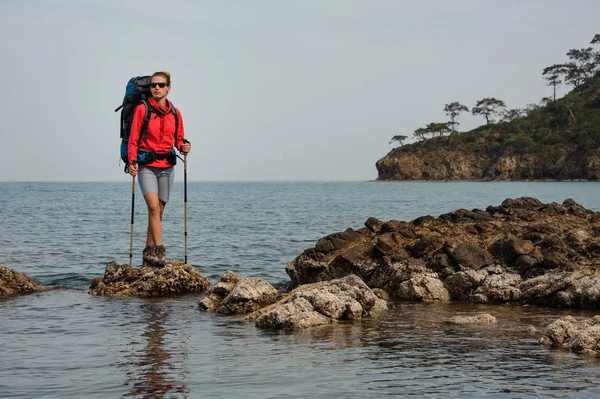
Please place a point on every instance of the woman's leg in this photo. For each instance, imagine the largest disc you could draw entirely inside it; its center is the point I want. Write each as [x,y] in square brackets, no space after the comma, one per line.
[149,235]
[148,180]
[155,212]
[165,184]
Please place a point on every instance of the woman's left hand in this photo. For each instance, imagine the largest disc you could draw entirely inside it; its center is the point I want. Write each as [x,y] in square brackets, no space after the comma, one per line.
[186,148]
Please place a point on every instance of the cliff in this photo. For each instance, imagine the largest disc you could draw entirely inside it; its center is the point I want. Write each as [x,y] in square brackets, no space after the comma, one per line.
[557,141]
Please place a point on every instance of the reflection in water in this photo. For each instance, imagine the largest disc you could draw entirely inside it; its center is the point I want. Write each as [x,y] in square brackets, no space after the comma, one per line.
[151,371]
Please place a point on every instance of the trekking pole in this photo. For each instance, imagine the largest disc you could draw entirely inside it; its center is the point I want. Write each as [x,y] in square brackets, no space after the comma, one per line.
[185,235]
[131,231]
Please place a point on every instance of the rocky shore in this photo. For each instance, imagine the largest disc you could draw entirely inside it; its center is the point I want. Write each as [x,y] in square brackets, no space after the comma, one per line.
[443,159]
[521,252]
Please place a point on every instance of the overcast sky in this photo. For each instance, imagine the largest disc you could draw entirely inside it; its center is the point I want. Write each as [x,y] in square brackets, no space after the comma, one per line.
[268,89]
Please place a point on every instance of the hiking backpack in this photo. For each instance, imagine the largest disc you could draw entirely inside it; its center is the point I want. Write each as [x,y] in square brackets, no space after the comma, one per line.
[137,92]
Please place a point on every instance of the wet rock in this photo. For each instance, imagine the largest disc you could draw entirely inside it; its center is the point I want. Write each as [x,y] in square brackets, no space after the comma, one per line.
[296,314]
[348,298]
[238,295]
[581,336]
[175,278]
[481,318]
[13,283]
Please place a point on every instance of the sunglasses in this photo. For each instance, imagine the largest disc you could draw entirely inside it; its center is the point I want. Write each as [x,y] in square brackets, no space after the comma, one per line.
[162,85]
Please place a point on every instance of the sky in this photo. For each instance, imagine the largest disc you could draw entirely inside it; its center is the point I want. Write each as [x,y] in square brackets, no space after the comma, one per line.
[268,89]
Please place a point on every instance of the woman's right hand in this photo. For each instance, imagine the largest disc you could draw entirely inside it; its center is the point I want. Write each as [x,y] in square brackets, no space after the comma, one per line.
[133,169]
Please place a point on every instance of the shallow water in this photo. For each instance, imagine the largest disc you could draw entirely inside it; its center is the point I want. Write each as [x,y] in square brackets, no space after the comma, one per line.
[65,343]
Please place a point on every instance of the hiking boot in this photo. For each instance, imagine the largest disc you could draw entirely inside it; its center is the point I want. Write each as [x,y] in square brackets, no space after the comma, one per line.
[150,257]
[161,255]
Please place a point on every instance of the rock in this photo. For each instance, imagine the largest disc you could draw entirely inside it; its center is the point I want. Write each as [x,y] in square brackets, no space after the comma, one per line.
[527,203]
[389,244]
[472,256]
[296,314]
[310,305]
[481,318]
[307,268]
[175,278]
[522,251]
[442,264]
[498,288]
[426,246]
[237,295]
[581,336]
[461,284]
[510,249]
[425,288]
[542,290]
[215,295]
[13,283]
[373,224]
[531,330]
[584,292]
[337,240]
[524,263]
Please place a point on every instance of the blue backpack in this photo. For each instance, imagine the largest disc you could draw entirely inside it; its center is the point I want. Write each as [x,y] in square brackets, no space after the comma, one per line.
[137,92]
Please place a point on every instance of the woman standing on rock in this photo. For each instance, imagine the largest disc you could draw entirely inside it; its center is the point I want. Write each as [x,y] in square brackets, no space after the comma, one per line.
[163,132]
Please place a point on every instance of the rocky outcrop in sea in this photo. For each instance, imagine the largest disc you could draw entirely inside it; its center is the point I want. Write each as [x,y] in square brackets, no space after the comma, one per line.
[521,252]
[13,283]
[309,305]
[580,336]
[175,278]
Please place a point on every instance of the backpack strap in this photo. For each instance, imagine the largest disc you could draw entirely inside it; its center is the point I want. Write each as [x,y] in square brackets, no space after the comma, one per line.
[174,111]
[144,131]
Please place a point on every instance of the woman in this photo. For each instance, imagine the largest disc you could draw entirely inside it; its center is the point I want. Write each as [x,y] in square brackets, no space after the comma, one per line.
[156,178]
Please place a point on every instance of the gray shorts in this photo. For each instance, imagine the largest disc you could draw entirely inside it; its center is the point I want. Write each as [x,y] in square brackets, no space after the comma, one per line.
[156,180]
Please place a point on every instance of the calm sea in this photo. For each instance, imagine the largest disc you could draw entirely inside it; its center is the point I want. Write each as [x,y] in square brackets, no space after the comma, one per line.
[67,344]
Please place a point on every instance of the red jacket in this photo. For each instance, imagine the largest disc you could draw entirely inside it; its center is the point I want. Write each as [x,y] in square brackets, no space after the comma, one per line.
[160,136]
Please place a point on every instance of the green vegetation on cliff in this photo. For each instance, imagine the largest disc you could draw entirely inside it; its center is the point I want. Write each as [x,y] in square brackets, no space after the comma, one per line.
[568,127]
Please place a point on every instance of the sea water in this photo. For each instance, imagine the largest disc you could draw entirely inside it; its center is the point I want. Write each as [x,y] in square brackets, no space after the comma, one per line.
[65,343]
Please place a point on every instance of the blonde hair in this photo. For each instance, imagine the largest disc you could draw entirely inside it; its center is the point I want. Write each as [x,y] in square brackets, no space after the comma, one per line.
[165,75]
